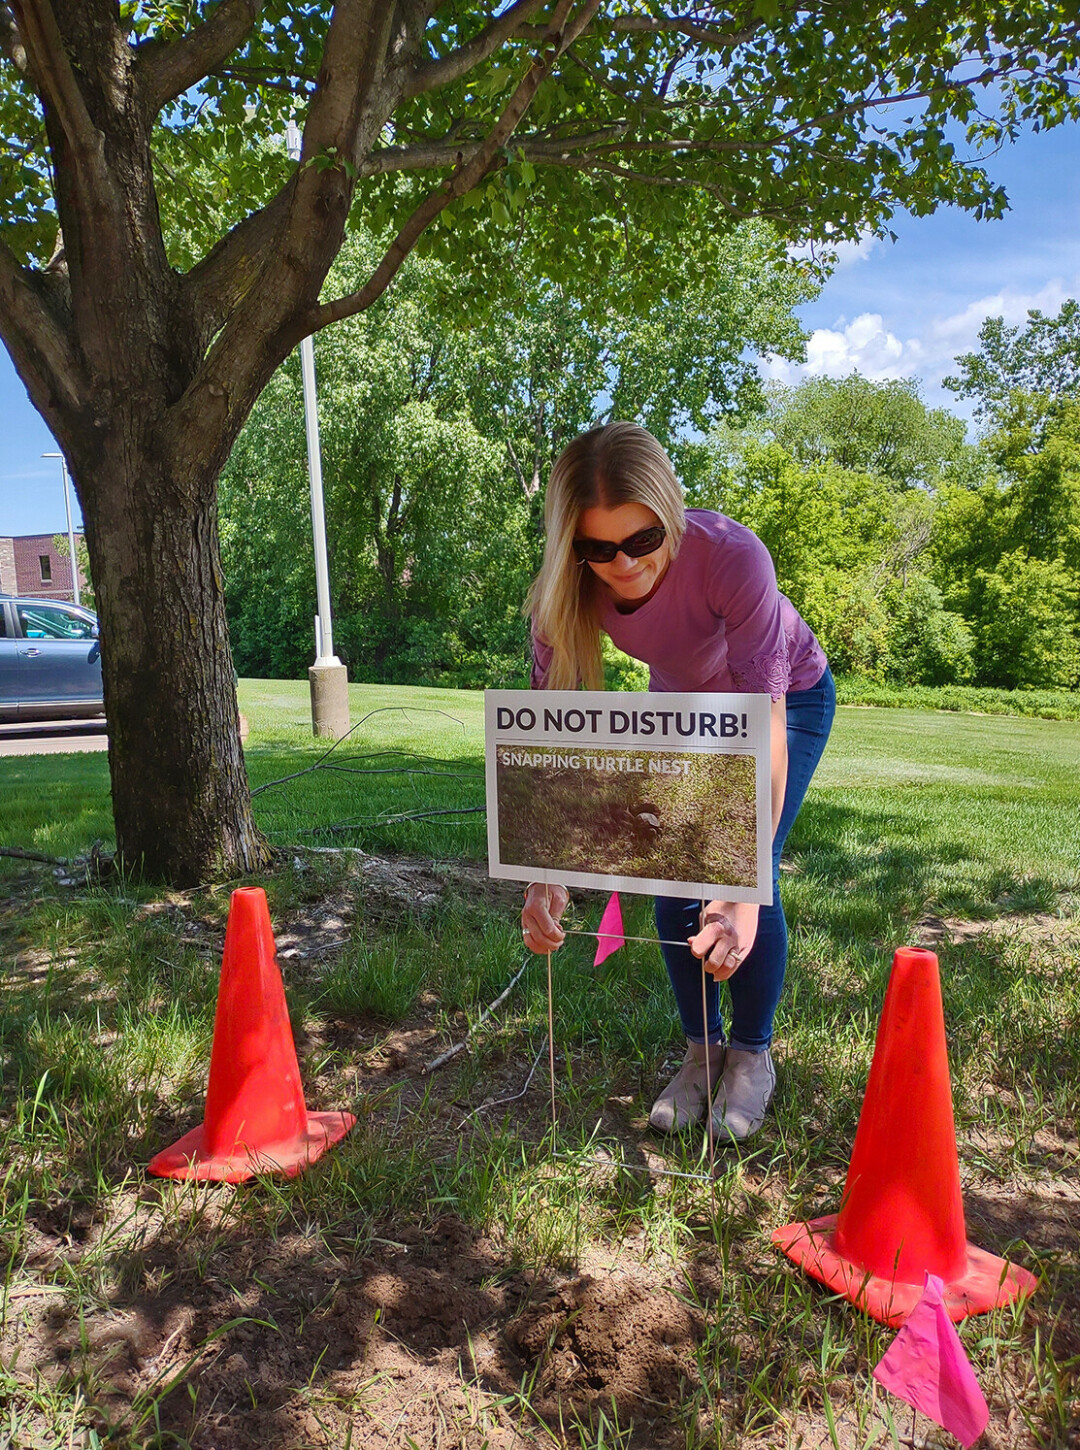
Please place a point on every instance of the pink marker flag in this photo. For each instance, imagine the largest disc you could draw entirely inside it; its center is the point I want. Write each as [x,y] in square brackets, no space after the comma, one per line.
[926,1366]
[611,931]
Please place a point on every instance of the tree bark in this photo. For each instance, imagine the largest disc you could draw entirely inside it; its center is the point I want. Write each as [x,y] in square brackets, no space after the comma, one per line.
[180,795]
[146,378]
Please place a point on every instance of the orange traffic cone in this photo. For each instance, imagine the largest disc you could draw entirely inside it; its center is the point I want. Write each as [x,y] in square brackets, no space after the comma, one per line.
[902,1214]
[256,1121]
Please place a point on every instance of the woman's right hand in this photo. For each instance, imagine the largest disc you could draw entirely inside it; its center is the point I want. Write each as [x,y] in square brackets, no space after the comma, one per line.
[544,906]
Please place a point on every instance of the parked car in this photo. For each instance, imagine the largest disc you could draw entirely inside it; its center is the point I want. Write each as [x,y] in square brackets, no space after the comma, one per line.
[50,660]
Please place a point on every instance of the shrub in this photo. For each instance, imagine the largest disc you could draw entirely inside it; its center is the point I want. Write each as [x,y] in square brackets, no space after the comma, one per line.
[927,643]
[1043,704]
[849,621]
[1026,630]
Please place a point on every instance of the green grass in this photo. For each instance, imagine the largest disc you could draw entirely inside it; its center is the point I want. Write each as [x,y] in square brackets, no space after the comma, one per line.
[150,1314]
[59,804]
[55,804]
[410,749]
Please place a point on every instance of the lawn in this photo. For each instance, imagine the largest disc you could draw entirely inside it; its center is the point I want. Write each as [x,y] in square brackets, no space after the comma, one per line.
[456,1274]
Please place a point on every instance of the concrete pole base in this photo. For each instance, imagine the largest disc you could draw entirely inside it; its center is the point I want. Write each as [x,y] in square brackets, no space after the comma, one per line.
[329,700]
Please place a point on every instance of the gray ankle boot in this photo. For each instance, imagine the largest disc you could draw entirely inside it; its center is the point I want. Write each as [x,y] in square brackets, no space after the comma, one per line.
[746,1089]
[684,1100]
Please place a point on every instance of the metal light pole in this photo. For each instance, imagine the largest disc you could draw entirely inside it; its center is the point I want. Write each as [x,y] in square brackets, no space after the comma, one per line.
[70,531]
[327,676]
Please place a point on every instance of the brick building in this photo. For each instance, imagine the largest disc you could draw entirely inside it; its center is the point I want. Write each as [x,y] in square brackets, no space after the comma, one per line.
[29,564]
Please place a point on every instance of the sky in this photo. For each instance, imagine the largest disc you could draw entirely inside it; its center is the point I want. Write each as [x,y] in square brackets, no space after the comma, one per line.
[890,310]
[907,308]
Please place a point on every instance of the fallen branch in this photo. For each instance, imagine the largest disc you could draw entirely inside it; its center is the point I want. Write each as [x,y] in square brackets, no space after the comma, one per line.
[423,815]
[452,1052]
[20,855]
[370,755]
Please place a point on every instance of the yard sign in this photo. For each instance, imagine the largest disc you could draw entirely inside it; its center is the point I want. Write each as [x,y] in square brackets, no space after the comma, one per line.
[648,793]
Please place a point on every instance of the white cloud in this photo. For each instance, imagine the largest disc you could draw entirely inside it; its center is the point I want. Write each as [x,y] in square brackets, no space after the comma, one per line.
[878,348]
[959,332]
[848,253]
[864,345]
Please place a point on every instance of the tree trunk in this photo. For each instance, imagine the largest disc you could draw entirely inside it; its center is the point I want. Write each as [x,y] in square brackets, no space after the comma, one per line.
[180,794]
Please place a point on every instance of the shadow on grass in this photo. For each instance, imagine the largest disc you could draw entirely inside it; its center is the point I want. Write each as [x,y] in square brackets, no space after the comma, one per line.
[863,870]
[426,1279]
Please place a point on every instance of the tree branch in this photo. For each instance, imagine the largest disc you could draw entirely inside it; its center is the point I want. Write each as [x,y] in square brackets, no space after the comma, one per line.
[459,62]
[353,68]
[871,103]
[50,65]
[514,463]
[298,85]
[514,22]
[450,1052]
[467,174]
[39,346]
[686,25]
[613,140]
[16,854]
[10,41]
[225,274]
[262,280]
[38,139]
[168,70]
[669,74]
[228,272]
[449,153]
[648,178]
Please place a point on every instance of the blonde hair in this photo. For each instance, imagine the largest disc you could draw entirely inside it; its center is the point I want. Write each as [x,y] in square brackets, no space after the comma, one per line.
[615,464]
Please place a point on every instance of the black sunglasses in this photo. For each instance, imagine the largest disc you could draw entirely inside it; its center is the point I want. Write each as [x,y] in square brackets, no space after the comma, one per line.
[602,551]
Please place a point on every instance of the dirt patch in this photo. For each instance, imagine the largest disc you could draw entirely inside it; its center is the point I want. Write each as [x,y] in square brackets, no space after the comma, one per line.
[1030,929]
[383,889]
[406,881]
[620,1340]
[425,1339]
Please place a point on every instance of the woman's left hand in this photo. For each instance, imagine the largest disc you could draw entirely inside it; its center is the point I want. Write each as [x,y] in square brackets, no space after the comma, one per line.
[728,930]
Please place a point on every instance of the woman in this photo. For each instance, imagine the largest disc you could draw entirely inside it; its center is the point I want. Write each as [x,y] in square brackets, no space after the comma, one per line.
[692,594]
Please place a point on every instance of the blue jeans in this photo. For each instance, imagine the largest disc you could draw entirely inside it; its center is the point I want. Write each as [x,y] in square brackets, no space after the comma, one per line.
[755,988]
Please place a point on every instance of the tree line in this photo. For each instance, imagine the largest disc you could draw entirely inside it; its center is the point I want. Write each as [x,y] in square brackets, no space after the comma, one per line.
[917,556]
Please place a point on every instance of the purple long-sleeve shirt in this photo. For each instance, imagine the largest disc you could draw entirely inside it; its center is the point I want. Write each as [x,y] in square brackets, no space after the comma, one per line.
[717,622]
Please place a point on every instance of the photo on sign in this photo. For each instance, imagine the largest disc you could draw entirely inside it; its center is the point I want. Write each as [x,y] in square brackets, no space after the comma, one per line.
[648,814]
[650,793]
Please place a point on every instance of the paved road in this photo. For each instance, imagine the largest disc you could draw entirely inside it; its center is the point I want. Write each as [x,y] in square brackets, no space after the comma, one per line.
[52,737]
